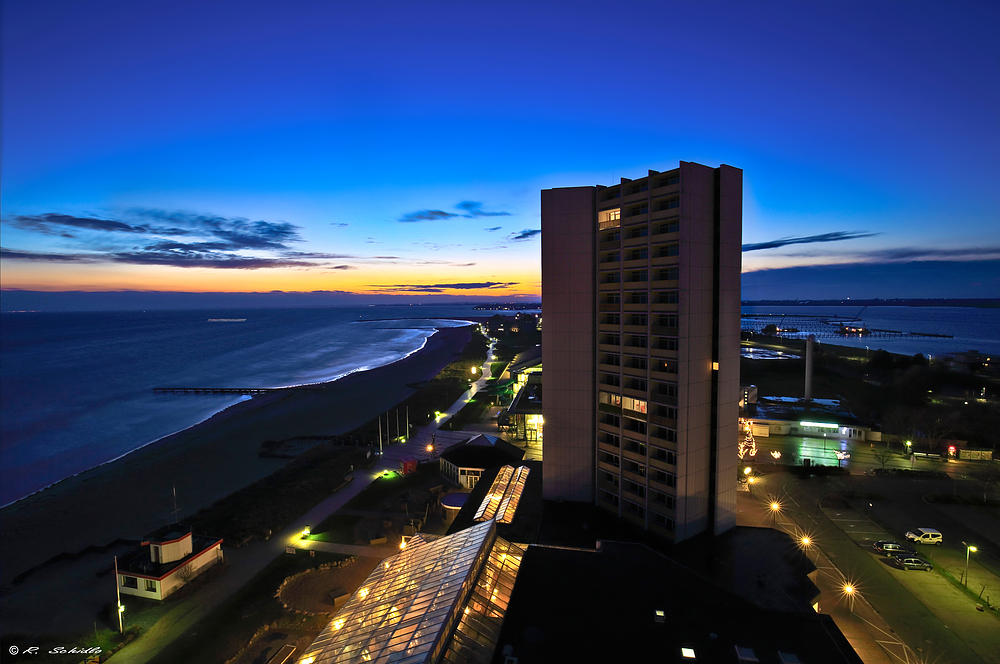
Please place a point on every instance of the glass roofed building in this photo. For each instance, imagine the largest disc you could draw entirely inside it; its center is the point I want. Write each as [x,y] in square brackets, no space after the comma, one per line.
[441,600]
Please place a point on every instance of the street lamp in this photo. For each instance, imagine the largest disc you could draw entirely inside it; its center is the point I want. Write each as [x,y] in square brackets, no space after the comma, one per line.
[751,480]
[775,508]
[968,549]
[841,456]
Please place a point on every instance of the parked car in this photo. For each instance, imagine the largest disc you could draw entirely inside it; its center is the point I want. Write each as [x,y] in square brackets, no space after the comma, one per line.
[924,536]
[912,562]
[887,548]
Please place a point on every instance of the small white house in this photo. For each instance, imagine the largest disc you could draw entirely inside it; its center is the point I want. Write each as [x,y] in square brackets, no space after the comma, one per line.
[463,464]
[165,561]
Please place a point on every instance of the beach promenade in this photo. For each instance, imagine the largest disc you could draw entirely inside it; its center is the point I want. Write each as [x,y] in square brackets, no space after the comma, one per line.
[245,563]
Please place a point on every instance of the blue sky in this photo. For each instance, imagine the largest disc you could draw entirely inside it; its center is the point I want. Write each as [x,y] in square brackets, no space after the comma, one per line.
[400,149]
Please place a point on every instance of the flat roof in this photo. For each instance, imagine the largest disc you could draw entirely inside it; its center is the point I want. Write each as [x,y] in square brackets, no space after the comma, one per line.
[139,563]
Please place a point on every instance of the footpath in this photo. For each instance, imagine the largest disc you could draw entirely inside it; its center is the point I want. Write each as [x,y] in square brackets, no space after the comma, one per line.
[247,562]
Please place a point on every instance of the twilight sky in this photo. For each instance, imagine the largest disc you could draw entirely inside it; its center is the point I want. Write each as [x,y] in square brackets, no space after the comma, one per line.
[399,148]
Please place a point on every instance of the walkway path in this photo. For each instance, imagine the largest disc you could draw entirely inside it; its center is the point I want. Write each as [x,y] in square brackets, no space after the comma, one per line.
[246,563]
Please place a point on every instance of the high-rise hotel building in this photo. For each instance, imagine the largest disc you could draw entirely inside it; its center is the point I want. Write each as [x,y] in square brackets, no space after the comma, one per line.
[640,347]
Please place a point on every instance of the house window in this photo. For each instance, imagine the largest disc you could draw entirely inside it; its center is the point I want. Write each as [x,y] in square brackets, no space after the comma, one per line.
[637,405]
[668,227]
[637,468]
[664,499]
[635,446]
[668,250]
[612,319]
[635,488]
[632,508]
[637,276]
[130,582]
[610,459]
[610,399]
[665,478]
[664,522]
[609,497]
[638,297]
[609,439]
[668,274]
[612,380]
[611,479]
[611,278]
[668,297]
[661,454]
[636,232]
[612,298]
[150,586]
[638,254]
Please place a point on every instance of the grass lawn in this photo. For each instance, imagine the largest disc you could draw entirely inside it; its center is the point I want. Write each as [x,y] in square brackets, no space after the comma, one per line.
[230,627]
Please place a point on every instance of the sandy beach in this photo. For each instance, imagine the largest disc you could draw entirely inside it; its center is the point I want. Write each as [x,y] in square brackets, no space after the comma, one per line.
[133,495]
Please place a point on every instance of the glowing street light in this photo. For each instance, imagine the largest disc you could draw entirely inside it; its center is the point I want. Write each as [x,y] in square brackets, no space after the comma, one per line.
[968,549]
[776,454]
[775,507]
[805,540]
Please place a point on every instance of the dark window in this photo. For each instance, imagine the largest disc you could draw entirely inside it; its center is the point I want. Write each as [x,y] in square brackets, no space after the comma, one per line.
[668,227]
[637,384]
[612,298]
[608,438]
[635,446]
[130,582]
[611,319]
[611,278]
[609,498]
[632,508]
[611,339]
[150,586]
[637,231]
[668,274]
[638,319]
[614,380]
[637,275]
[668,204]
[638,254]
[610,459]
[637,468]
[668,297]
[664,499]
[665,478]
[664,521]
[637,297]
[661,454]
[608,418]
[668,250]
[635,488]
[668,180]
[633,362]
[636,341]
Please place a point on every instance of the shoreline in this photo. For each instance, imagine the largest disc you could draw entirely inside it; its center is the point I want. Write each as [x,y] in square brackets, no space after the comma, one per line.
[321,384]
[131,495]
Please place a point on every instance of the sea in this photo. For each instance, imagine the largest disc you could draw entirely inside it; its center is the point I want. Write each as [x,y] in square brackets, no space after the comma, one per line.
[960,328]
[76,389]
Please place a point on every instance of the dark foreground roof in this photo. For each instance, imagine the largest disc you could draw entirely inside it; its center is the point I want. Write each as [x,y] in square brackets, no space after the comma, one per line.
[600,606]
[138,561]
[483,452]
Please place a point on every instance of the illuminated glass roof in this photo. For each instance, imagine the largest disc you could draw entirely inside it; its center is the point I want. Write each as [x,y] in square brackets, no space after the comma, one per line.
[501,501]
[406,610]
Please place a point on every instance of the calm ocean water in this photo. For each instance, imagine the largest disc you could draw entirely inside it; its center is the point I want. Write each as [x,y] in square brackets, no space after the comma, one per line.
[969,327]
[76,388]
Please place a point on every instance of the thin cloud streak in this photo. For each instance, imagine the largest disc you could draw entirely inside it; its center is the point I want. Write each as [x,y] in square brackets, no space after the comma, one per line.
[835,236]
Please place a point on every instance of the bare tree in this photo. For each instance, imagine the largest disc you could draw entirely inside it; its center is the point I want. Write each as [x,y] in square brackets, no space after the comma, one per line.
[883,455]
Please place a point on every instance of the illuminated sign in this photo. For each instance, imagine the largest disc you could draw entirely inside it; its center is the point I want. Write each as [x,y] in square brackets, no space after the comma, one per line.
[820,425]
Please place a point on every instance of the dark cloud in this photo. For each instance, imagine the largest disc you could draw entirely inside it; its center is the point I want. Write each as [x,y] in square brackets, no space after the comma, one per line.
[339,225]
[495,228]
[526,234]
[15,255]
[469,210]
[474,209]
[343,267]
[440,288]
[202,259]
[908,254]
[53,224]
[835,236]
[426,215]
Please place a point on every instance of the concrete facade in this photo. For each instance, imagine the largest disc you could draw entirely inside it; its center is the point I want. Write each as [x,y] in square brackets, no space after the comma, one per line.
[640,344]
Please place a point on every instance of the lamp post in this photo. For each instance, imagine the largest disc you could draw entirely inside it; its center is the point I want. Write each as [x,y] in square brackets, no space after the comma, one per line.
[118,594]
[968,549]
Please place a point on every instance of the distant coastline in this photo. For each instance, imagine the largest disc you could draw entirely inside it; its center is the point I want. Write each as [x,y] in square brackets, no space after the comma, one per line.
[979,303]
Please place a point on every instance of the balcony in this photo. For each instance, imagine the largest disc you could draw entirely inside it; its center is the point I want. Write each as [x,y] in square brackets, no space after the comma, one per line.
[659,261]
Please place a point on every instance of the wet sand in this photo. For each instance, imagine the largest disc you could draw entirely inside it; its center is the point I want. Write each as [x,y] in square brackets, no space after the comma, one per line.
[134,495]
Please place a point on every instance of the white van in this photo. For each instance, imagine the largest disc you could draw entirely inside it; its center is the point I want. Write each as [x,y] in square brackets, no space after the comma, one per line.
[924,536]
